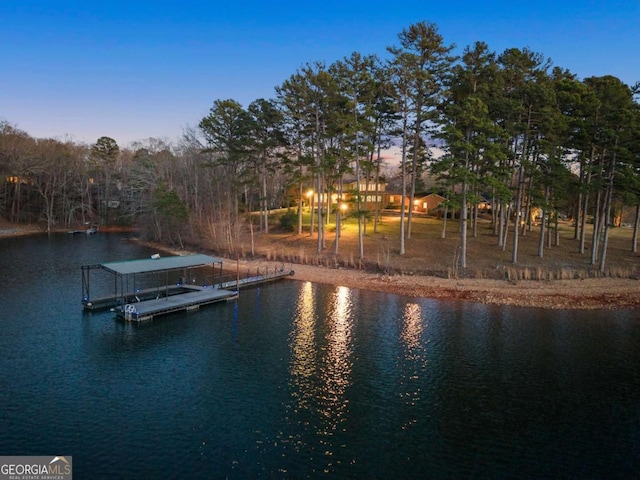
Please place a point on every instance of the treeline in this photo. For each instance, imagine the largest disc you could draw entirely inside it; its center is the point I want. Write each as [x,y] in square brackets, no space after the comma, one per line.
[515,130]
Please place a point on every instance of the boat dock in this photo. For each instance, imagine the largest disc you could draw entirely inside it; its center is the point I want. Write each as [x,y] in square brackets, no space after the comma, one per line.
[90,229]
[147,288]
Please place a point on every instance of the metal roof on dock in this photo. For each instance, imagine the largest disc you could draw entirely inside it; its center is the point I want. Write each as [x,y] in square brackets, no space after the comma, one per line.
[148,265]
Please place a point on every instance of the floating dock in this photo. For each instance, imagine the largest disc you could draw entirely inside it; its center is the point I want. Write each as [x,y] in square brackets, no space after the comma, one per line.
[173,285]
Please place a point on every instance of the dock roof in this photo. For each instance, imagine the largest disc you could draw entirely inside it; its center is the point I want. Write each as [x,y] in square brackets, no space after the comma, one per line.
[147,265]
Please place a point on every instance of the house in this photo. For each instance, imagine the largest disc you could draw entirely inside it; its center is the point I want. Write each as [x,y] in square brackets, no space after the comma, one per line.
[427,203]
[370,195]
[394,200]
[484,205]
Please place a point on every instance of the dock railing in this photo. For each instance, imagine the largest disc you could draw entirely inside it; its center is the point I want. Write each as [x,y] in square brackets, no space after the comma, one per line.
[252,276]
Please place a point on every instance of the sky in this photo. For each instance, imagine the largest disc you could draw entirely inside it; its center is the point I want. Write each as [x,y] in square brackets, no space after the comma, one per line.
[134,70]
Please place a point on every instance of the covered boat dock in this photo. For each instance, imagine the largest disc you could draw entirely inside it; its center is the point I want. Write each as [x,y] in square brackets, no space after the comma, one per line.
[145,288]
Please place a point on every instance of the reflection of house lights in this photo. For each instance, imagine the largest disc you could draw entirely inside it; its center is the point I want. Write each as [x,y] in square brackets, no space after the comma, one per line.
[303,344]
[338,373]
[412,326]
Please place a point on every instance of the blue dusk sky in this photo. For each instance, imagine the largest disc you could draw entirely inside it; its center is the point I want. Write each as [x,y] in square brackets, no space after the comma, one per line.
[139,69]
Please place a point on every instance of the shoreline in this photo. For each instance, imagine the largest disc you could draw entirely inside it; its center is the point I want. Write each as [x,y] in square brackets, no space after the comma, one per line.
[583,294]
[587,294]
[580,294]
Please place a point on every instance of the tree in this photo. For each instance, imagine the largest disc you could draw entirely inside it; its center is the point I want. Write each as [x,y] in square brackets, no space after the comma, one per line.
[355,79]
[267,140]
[17,149]
[51,176]
[227,131]
[297,163]
[613,125]
[401,96]
[313,91]
[470,135]
[422,62]
[522,72]
[553,177]
[170,214]
[102,163]
[384,120]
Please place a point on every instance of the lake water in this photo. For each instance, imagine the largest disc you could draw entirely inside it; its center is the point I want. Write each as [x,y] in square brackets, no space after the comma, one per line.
[297,380]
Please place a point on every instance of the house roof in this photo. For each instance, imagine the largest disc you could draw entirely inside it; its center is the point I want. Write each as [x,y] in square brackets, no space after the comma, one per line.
[433,195]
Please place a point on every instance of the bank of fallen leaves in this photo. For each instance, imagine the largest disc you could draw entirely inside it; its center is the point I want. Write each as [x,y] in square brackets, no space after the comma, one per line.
[595,293]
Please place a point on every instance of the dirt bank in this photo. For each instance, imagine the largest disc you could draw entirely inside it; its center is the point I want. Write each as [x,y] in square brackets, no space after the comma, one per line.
[608,293]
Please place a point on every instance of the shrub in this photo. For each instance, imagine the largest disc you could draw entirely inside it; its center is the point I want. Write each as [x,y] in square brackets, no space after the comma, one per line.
[288,221]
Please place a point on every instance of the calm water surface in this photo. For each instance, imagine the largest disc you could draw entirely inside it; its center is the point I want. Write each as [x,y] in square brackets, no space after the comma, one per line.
[298,380]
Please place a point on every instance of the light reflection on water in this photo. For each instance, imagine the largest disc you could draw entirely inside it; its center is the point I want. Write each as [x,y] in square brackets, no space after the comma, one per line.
[303,346]
[412,328]
[321,369]
[414,368]
[336,367]
[336,371]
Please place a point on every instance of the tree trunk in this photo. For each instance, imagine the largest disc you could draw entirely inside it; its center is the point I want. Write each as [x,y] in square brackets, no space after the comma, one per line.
[527,214]
[253,243]
[412,195]
[377,203]
[579,207]
[463,227]
[605,233]
[320,244]
[543,224]
[464,216]
[359,208]
[597,219]
[475,215]
[636,226]
[583,224]
[443,233]
[516,229]
[265,204]
[312,207]
[338,220]
[607,209]
[404,184]
[585,204]
[300,203]
[499,225]
[505,226]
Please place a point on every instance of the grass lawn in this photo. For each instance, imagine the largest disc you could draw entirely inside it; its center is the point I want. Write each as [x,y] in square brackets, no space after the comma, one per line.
[427,253]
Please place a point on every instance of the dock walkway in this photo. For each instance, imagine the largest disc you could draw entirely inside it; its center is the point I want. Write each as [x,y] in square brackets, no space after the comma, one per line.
[198,296]
[136,304]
